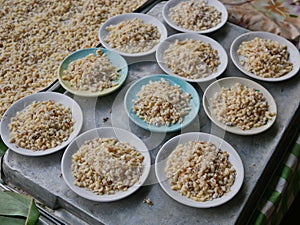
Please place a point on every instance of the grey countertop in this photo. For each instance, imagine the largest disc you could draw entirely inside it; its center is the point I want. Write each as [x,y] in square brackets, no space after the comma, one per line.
[41,176]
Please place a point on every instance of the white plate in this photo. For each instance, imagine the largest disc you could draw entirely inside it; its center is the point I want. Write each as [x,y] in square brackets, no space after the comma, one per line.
[186,87]
[229,82]
[115,59]
[42,96]
[217,4]
[181,37]
[104,132]
[129,16]
[169,146]
[294,57]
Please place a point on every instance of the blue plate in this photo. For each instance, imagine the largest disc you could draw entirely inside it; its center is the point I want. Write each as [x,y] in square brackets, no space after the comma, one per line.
[131,95]
[116,59]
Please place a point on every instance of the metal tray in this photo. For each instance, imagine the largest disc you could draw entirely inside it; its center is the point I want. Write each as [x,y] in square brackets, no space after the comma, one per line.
[41,177]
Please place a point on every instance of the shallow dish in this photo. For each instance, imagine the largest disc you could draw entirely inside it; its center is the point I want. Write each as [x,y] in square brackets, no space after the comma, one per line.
[115,59]
[104,132]
[169,146]
[216,86]
[186,87]
[129,16]
[42,96]
[181,37]
[294,55]
[217,4]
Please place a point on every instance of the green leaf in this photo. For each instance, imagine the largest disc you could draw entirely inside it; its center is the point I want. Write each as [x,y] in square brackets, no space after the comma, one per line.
[33,214]
[15,205]
[12,204]
[11,221]
[3,148]
[1,152]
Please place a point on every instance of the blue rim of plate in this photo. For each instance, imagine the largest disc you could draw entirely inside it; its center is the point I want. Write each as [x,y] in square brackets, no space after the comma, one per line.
[116,59]
[185,86]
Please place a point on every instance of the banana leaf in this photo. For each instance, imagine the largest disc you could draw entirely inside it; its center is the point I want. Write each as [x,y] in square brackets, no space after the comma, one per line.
[5,220]
[3,147]
[17,209]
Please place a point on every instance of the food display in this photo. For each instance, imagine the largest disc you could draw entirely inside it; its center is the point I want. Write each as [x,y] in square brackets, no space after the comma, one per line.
[241,107]
[160,103]
[200,171]
[106,166]
[265,58]
[195,15]
[41,125]
[132,36]
[192,59]
[41,34]
[92,73]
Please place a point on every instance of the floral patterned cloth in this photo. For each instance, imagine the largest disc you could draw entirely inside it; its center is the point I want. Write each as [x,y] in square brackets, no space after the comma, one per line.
[281,17]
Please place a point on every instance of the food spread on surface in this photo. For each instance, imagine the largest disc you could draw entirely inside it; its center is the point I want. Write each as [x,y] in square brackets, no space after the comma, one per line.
[195,15]
[41,125]
[92,73]
[132,36]
[242,107]
[200,171]
[107,166]
[191,59]
[160,103]
[41,34]
[265,58]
